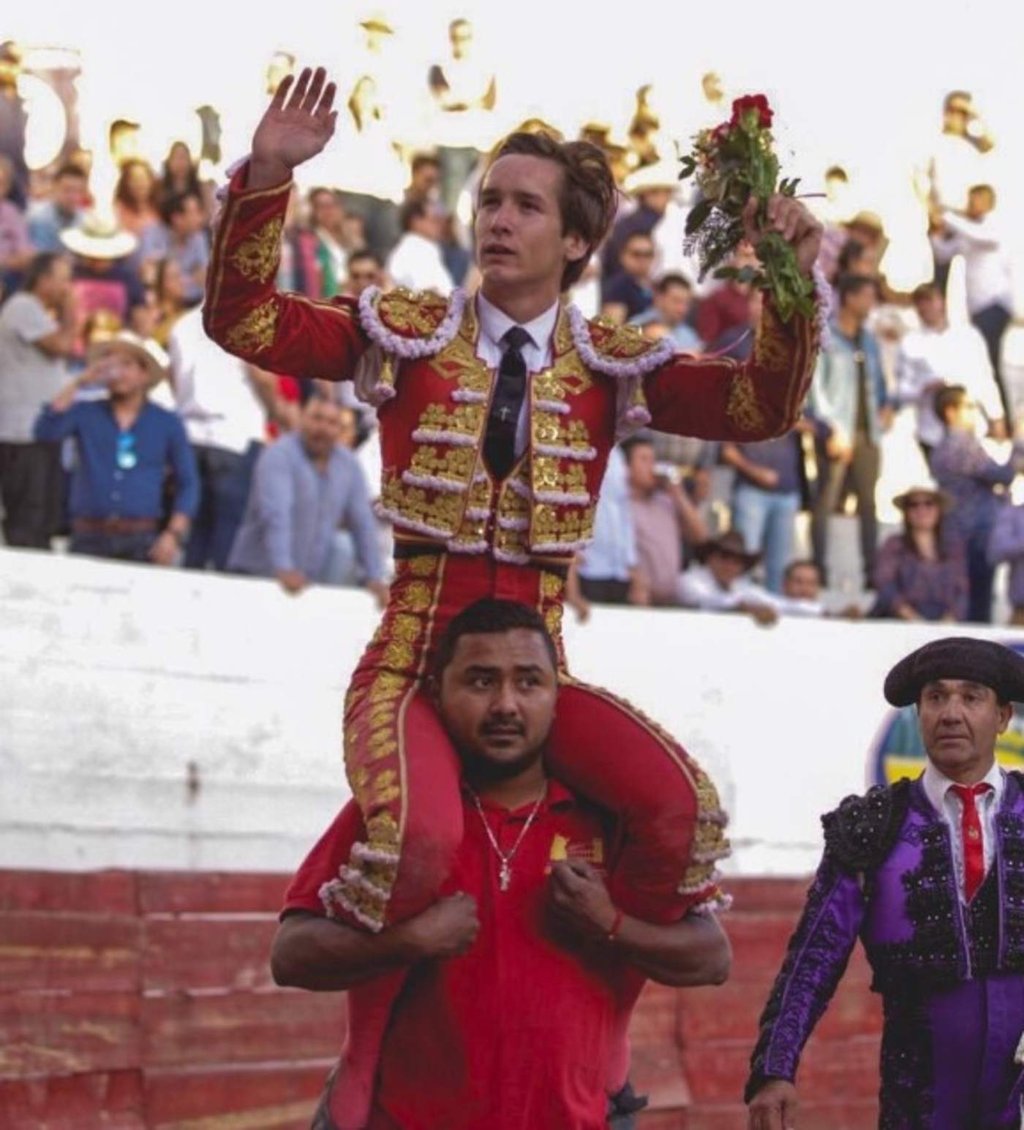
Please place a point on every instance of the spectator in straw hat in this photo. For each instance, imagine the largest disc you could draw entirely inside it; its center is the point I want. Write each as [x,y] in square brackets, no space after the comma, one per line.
[720,582]
[125,447]
[653,188]
[919,575]
[104,275]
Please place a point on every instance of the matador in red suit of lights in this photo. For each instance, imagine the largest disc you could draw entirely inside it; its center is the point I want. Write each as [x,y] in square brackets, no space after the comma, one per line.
[466,528]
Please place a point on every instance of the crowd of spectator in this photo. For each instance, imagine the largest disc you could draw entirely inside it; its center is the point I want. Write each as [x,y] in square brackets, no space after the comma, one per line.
[127,432]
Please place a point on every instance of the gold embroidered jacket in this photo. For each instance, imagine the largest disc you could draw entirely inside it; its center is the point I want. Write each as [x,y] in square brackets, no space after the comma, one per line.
[433,392]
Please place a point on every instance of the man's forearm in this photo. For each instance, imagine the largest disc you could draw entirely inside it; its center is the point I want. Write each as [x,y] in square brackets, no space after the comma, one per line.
[324,955]
[693,951]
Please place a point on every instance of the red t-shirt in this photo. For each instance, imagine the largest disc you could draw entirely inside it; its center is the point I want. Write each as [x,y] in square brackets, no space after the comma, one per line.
[519,1033]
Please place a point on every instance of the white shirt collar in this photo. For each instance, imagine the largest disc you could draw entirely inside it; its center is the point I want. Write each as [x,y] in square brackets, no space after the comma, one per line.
[937,784]
[495,323]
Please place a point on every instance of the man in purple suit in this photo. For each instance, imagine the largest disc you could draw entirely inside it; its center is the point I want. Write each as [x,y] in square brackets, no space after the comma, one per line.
[930,875]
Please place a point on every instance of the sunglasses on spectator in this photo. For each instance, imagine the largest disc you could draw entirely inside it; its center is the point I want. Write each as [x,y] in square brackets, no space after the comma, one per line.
[126,457]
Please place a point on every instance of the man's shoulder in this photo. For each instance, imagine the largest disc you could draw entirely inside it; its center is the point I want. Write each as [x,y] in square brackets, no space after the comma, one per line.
[862,830]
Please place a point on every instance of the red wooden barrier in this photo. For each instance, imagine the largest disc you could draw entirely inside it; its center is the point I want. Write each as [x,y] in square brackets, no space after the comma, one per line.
[132,1000]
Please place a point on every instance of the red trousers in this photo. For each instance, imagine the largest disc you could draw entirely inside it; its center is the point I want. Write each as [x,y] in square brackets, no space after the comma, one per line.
[404,772]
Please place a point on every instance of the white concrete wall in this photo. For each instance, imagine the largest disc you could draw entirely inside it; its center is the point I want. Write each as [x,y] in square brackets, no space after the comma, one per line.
[114,678]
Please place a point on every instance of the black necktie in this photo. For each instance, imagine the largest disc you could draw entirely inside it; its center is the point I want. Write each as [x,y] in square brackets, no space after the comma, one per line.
[500,440]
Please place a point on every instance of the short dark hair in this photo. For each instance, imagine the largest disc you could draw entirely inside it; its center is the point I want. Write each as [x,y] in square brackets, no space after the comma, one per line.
[848,285]
[420,160]
[926,290]
[415,208]
[175,204]
[362,255]
[986,188]
[587,198]
[489,617]
[638,439]
[801,563]
[40,267]
[673,278]
[949,398]
[852,249]
[70,169]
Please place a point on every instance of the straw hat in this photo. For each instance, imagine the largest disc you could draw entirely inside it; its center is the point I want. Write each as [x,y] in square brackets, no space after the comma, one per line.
[929,491]
[98,237]
[145,350]
[662,174]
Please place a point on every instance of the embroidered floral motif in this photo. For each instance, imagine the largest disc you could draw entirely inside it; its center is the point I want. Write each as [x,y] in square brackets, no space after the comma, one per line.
[552,436]
[256,257]
[462,425]
[861,832]
[412,313]
[618,351]
[434,513]
[410,325]
[555,482]
[553,529]
[255,332]
[742,407]
[450,469]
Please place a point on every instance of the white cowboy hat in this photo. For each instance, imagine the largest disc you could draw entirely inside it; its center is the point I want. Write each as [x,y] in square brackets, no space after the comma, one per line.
[98,237]
[662,174]
[144,349]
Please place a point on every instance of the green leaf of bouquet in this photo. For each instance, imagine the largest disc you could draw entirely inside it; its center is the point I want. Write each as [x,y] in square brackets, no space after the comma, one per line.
[698,214]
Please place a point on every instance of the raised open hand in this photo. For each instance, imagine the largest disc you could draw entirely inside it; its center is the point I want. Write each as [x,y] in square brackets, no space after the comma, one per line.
[296,126]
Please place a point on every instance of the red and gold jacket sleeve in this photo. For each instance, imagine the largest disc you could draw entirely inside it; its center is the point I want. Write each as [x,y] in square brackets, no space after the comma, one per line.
[718,398]
[245,313]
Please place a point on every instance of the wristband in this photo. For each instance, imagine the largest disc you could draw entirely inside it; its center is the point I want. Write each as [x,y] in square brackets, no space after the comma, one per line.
[615,926]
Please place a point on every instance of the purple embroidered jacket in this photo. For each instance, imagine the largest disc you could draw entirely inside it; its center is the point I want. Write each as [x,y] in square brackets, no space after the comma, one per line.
[951,976]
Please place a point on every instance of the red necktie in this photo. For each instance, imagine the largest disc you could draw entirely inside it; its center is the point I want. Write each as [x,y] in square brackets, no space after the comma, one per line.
[970,831]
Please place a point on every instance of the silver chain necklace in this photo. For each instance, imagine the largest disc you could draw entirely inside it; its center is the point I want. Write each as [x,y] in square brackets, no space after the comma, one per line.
[505,870]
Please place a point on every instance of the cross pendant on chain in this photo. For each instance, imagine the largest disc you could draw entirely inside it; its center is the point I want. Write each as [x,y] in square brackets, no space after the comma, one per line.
[504,876]
[504,414]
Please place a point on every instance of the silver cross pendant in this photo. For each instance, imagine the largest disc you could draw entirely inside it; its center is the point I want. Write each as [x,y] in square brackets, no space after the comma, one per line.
[504,876]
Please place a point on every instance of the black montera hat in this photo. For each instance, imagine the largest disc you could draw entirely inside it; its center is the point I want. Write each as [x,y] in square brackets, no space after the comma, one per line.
[957,657]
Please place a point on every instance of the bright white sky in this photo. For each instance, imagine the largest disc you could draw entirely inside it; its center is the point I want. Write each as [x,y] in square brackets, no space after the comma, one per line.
[859,83]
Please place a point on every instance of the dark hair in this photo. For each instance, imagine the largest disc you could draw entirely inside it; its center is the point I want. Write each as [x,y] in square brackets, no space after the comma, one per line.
[174,204]
[39,268]
[673,278]
[853,284]
[986,188]
[851,250]
[587,197]
[70,169]
[167,185]
[420,160]
[948,398]
[925,290]
[490,617]
[415,208]
[363,254]
[637,439]
[121,189]
[801,563]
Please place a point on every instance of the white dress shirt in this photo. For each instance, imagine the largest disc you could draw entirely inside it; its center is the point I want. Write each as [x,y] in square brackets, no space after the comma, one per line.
[957,356]
[494,324]
[988,269]
[939,790]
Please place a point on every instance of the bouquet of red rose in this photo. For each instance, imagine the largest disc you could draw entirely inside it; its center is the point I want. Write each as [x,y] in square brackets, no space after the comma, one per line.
[731,163]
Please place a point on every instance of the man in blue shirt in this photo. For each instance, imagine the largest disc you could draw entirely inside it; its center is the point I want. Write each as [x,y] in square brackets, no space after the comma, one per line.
[306,487]
[849,396]
[125,446]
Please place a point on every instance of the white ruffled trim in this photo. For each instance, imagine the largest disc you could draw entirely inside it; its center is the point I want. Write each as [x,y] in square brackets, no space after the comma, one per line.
[477,513]
[520,488]
[561,547]
[470,547]
[334,892]
[558,406]
[511,558]
[719,902]
[514,523]
[410,348]
[434,482]
[583,454]
[368,854]
[455,439]
[823,303]
[630,415]
[563,498]
[468,396]
[654,358]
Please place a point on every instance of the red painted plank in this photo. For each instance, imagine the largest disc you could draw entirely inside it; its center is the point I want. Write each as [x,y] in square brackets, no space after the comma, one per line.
[174,1096]
[208,953]
[71,952]
[112,1100]
[112,892]
[176,892]
[183,1029]
[68,1033]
